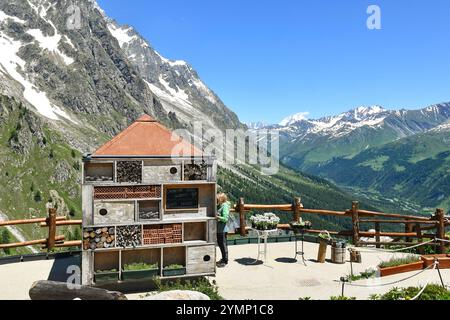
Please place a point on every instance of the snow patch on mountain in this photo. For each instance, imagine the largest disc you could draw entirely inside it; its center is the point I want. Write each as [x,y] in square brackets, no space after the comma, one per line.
[10,63]
[294,118]
[50,43]
[121,34]
[4,17]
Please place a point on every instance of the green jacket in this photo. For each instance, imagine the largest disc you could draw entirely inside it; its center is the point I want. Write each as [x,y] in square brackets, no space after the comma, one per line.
[223,211]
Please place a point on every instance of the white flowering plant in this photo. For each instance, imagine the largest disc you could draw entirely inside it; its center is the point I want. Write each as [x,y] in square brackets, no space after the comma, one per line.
[266,221]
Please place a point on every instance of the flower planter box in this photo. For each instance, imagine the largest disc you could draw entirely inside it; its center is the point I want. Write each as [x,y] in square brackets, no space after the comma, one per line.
[174,272]
[384,272]
[139,274]
[444,260]
[106,277]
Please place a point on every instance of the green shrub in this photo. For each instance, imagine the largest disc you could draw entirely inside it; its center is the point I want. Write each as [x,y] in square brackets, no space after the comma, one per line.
[431,292]
[139,266]
[38,196]
[342,298]
[369,273]
[393,262]
[174,266]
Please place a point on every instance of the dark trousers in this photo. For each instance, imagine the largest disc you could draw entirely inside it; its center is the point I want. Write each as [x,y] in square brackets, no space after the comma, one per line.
[222,243]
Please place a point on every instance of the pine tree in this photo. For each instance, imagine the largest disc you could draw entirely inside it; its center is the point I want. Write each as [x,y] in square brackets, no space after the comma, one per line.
[6,238]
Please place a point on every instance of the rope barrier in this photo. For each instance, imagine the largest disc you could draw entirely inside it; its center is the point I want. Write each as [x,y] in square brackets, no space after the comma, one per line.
[426,285]
[393,282]
[377,250]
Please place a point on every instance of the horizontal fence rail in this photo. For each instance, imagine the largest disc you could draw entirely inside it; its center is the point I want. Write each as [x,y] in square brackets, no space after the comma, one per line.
[51,222]
[413,225]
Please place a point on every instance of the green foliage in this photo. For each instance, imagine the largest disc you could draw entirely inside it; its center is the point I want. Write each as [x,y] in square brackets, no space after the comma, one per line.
[106,271]
[76,166]
[51,155]
[342,298]
[6,238]
[73,153]
[431,292]
[38,196]
[395,261]
[174,267]
[201,285]
[139,266]
[368,274]
[305,299]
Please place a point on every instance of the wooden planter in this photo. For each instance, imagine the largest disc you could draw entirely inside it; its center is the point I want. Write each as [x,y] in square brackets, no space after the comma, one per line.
[174,272]
[106,277]
[139,274]
[444,260]
[415,266]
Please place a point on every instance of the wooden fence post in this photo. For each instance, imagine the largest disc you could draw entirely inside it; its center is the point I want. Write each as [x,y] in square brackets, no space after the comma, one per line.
[297,207]
[419,237]
[377,237]
[51,228]
[355,223]
[440,216]
[241,209]
[408,229]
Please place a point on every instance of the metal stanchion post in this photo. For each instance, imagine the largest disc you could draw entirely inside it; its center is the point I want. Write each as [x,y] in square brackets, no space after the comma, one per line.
[436,261]
[343,280]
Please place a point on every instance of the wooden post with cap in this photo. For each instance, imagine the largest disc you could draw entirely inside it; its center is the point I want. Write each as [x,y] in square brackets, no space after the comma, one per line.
[51,228]
[355,223]
[440,217]
[241,210]
[297,206]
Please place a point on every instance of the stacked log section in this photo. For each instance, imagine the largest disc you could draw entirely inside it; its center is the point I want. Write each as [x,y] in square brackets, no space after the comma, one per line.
[195,172]
[129,236]
[99,238]
[129,171]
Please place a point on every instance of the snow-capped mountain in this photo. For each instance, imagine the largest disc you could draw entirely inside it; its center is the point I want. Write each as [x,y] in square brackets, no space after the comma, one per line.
[176,83]
[309,143]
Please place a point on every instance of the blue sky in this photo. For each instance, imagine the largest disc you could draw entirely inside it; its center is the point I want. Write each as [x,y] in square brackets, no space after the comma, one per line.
[269,59]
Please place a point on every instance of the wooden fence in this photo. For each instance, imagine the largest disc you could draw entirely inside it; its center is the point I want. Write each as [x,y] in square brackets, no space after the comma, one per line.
[416,227]
[51,222]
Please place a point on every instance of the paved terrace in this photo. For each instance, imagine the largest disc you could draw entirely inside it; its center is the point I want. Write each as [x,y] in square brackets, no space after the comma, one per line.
[280,278]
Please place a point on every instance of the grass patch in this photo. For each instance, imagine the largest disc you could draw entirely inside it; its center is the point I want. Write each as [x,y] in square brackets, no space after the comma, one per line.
[432,292]
[394,262]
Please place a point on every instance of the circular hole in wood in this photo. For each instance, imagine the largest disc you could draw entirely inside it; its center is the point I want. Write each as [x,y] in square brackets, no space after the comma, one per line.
[173,170]
[103,212]
[207,258]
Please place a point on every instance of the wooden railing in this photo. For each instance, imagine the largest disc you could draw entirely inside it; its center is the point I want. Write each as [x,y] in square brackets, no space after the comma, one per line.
[413,225]
[51,222]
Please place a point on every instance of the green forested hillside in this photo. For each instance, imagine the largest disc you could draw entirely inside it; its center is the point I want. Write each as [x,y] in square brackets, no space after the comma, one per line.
[415,169]
[283,187]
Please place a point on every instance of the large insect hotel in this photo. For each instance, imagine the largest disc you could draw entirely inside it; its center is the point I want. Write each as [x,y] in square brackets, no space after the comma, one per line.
[147,213]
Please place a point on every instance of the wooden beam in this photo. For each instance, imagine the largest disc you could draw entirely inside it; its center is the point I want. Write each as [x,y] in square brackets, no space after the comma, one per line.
[387,234]
[28,243]
[377,233]
[282,207]
[355,223]
[366,213]
[51,228]
[66,244]
[297,206]
[396,221]
[50,290]
[241,207]
[64,223]
[27,221]
[440,233]
[374,243]
[325,212]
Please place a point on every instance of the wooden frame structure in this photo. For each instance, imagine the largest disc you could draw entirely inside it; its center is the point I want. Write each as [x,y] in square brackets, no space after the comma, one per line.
[414,225]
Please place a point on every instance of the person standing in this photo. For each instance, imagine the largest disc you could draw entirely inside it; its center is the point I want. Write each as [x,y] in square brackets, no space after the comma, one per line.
[223,215]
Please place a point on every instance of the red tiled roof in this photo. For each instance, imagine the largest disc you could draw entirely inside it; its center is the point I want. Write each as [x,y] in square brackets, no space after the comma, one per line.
[147,137]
